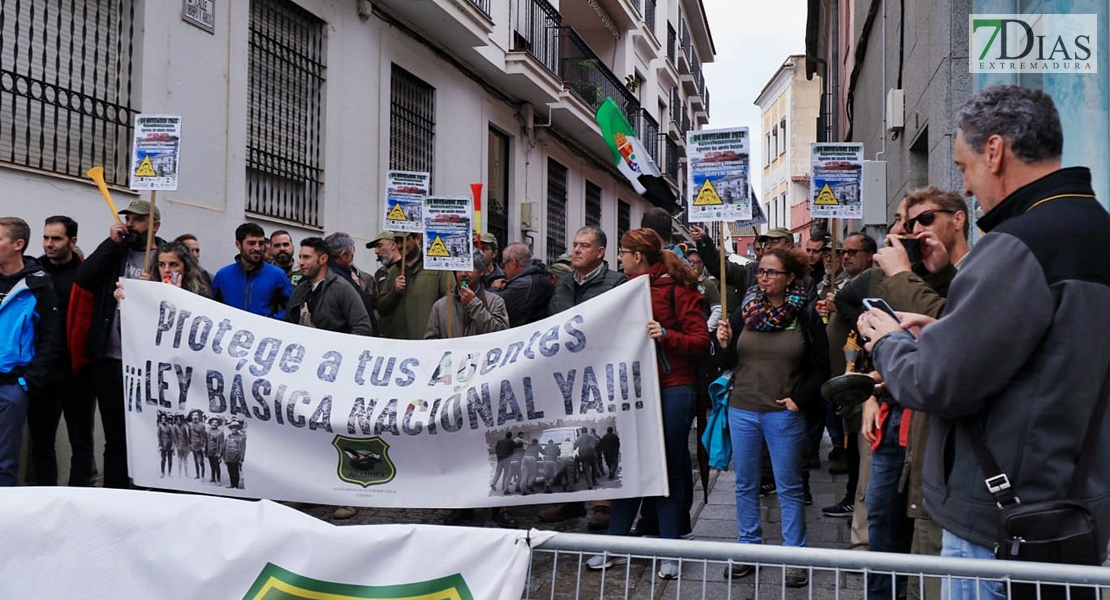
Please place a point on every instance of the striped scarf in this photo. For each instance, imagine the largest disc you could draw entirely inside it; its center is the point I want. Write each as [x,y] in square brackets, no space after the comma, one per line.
[759,315]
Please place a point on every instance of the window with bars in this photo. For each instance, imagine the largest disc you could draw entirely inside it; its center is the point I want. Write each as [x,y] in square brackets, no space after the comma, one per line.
[624,220]
[556,210]
[497,191]
[593,205]
[66,86]
[285,112]
[412,122]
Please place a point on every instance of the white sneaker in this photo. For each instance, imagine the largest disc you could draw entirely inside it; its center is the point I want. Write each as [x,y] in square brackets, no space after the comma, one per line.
[669,569]
[604,561]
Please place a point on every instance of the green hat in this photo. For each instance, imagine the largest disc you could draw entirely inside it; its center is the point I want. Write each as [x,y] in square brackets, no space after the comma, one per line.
[384,235]
[777,233]
[559,270]
[564,259]
[488,238]
[141,207]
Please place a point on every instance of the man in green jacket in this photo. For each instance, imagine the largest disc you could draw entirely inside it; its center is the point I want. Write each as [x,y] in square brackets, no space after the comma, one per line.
[322,299]
[407,305]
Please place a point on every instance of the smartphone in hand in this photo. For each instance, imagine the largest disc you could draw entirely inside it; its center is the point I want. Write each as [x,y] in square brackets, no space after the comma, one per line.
[913,249]
[880,304]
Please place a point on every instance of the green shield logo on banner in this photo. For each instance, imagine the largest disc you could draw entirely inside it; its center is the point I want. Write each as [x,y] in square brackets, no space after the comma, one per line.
[364,461]
[275,583]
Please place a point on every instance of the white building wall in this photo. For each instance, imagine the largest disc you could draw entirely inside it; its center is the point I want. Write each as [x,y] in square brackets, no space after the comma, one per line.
[180,69]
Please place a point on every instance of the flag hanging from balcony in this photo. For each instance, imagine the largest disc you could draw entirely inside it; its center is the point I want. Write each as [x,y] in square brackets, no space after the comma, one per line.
[631,157]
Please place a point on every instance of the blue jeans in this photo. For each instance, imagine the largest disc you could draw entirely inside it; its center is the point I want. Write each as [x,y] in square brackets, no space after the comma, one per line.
[13,413]
[678,413]
[888,527]
[957,589]
[785,434]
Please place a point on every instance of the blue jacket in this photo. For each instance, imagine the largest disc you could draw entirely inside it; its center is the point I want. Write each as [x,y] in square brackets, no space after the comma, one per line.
[716,438]
[29,326]
[263,292]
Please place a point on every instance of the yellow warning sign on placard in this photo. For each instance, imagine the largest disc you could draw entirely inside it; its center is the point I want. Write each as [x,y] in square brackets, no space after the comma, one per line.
[707,196]
[826,197]
[145,169]
[438,248]
[396,214]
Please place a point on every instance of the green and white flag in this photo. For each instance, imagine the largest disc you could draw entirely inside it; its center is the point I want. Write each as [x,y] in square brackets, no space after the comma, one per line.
[630,155]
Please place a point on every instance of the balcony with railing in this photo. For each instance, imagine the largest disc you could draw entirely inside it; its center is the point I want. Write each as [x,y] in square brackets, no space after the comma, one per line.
[537,31]
[672,42]
[649,14]
[460,25]
[483,5]
[648,131]
[584,73]
[686,47]
[670,170]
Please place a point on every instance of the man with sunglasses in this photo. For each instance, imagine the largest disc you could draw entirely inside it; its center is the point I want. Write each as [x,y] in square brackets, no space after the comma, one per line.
[1015,352]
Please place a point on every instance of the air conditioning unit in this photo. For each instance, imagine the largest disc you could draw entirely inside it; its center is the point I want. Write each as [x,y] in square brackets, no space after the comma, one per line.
[895,109]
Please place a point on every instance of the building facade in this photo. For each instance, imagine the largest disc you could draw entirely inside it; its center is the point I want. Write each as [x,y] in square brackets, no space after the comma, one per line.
[789,106]
[294,110]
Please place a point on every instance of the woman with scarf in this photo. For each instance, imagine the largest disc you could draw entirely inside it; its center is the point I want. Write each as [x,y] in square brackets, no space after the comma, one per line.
[678,328]
[777,347]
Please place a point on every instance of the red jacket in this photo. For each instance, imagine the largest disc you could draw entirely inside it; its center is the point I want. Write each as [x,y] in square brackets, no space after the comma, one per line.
[679,309]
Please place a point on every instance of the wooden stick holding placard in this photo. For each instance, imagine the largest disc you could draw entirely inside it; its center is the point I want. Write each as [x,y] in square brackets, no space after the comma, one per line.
[724,275]
[150,231]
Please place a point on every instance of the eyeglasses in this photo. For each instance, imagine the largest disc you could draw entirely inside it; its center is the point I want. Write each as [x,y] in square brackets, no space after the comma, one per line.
[621,251]
[851,252]
[926,218]
[772,273]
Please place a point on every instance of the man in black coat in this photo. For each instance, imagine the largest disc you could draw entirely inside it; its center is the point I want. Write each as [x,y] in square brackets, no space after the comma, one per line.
[527,288]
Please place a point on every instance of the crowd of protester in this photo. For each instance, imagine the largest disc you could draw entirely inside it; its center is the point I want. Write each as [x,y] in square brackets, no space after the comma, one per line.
[992,338]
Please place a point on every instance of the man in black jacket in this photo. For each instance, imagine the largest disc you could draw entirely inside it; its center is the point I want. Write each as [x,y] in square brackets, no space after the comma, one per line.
[28,338]
[93,329]
[527,289]
[64,394]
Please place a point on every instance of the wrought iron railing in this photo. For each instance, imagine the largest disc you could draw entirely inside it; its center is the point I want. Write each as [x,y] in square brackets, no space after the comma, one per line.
[676,106]
[483,5]
[684,37]
[537,31]
[648,131]
[671,169]
[649,14]
[66,86]
[585,74]
[672,42]
[685,126]
[705,97]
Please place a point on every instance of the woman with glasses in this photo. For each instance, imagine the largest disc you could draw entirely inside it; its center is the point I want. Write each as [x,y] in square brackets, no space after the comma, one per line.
[777,347]
[678,327]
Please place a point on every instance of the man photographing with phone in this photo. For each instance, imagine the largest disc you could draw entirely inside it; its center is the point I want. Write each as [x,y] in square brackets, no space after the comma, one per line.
[1012,369]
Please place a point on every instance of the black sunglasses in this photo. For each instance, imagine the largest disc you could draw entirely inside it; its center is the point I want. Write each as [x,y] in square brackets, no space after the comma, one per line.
[926,218]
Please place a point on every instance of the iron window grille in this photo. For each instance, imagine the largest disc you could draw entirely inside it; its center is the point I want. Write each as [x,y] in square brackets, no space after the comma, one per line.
[649,15]
[497,194]
[624,221]
[593,205]
[556,210]
[412,123]
[65,86]
[286,73]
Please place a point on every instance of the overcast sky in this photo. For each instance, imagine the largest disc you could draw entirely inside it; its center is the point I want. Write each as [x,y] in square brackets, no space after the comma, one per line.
[753,39]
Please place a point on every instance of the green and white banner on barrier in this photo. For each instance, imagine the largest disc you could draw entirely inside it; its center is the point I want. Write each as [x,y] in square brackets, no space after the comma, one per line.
[110,544]
[221,401]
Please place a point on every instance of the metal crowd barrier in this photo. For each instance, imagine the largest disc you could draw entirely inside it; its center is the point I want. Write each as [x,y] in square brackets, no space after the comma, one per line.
[558,571]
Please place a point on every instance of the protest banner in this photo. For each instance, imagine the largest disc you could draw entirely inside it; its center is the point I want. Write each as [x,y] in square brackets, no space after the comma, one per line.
[717,187]
[834,188]
[448,234]
[275,410]
[156,149]
[101,544]
[404,200]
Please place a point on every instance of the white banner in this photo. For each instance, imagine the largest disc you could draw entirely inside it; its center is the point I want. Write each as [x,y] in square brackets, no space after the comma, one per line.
[348,420]
[101,544]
